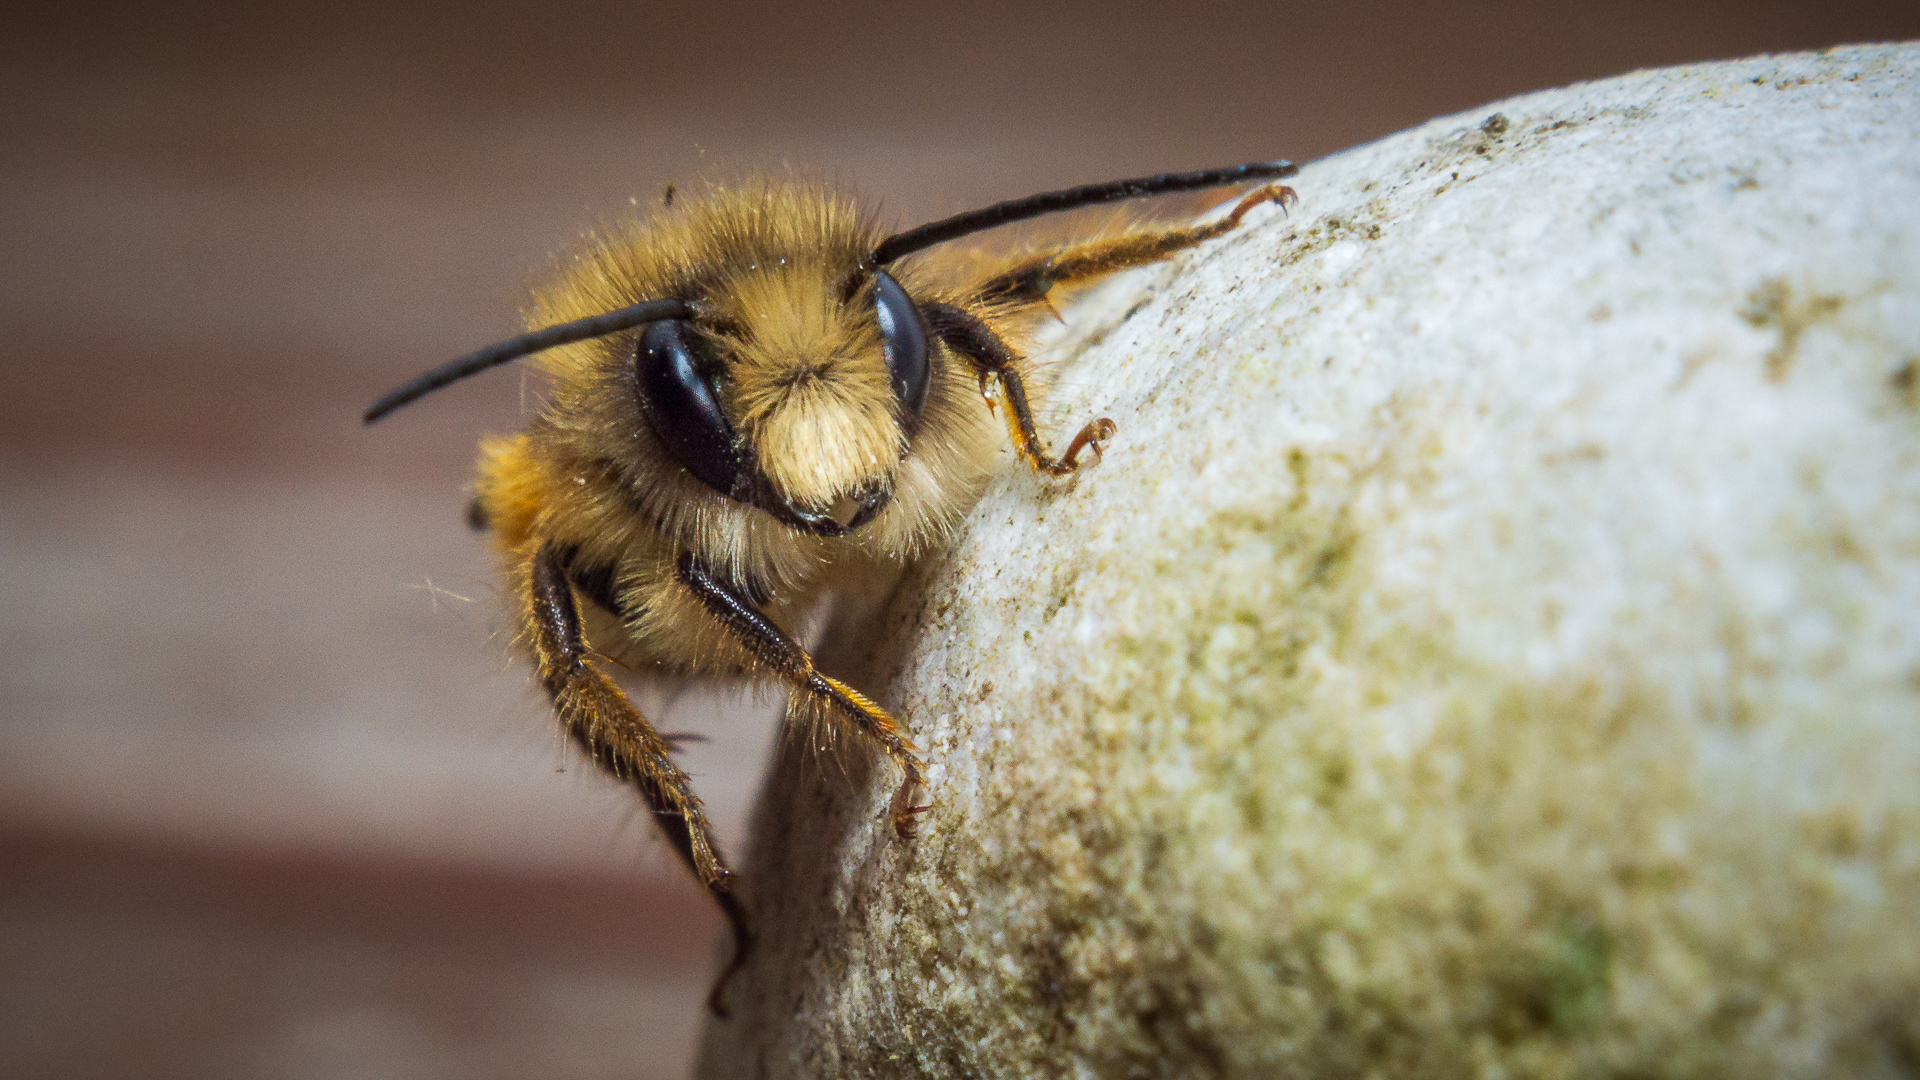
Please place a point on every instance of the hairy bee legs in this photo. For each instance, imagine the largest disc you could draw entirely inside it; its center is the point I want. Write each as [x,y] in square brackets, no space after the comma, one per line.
[598,717]
[786,658]
[995,361]
[1028,282]
[1026,285]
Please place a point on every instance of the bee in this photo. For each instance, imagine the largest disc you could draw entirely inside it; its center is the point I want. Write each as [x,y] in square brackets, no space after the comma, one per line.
[756,395]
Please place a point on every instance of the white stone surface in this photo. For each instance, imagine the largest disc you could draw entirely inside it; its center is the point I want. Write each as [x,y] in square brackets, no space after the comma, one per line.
[1491,645]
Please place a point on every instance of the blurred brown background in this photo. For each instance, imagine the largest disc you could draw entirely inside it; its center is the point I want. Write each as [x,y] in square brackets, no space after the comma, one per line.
[274,802]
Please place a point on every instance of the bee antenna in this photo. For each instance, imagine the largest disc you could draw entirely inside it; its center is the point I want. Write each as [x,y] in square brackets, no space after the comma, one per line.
[527,344]
[939,232]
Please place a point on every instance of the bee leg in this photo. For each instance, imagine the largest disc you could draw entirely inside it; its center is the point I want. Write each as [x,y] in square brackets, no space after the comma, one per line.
[785,657]
[1026,285]
[1028,282]
[970,336]
[598,717]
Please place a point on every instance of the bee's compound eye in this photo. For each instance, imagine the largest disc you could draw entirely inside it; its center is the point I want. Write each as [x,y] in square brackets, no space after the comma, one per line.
[683,407]
[903,335]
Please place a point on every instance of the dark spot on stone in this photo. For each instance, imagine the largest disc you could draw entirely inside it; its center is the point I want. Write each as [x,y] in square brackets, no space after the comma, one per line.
[1299,466]
[1330,560]
[1061,594]
[1336,773]
[1584,452]
[1905,381]
[1899,1042]
[1494,126]
[1561,984]
[1773,305]
[1171,1022]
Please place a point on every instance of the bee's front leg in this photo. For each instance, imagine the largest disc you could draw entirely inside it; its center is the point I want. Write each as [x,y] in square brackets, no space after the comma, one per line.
[600,718]
[1025,285]
[785,657]
[969,335]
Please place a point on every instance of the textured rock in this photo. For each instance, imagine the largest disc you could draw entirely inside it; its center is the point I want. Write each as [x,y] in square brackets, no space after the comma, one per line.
[1491,645]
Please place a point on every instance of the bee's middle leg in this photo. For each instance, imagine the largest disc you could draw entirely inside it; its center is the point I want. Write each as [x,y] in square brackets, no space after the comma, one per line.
[598,717]
[774,648]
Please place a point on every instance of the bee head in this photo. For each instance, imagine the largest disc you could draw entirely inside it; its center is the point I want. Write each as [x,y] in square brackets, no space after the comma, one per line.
[795,397]
[798,391]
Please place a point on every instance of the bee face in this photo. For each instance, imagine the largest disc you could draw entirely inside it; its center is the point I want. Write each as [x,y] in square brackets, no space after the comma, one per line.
[790,394]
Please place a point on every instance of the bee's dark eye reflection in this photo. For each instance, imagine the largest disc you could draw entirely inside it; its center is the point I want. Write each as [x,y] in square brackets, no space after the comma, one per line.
[683,408]
[904,338]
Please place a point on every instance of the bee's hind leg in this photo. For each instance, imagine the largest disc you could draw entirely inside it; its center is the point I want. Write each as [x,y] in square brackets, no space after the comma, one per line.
[598,717]
[785,657]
